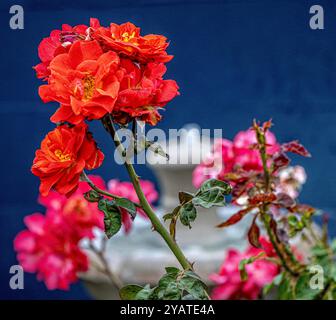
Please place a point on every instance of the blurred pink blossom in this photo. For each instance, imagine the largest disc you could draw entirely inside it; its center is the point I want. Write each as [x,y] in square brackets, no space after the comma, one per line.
[78,212]
[50,250]
[247,157]
[228,280]
[50,245]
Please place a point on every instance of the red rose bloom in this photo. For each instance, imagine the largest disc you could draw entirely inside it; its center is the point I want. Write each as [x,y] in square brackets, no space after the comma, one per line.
[57,43]
[125,39]
[65,152]
[142,91]
[85,81]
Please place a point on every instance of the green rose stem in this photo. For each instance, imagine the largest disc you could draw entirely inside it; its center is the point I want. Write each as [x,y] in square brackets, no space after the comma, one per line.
[157,225]
[287,258]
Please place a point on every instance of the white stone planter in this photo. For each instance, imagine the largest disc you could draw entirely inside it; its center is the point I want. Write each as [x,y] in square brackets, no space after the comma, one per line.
[141,256]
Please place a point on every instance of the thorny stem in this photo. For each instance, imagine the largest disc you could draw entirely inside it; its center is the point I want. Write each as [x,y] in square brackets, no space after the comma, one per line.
[273,239]
[100,253]
[282,251]
[157,225]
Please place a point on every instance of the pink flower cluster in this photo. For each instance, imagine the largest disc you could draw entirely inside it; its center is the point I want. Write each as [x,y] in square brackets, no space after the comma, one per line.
[261,272]
[228,155]
[50,245]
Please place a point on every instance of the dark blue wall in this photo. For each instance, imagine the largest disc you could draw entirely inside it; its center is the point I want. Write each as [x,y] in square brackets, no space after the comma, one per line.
[234,60]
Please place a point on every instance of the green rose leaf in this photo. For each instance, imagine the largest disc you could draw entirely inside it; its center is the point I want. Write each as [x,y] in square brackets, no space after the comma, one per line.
[167,288]
[172,271]
[135,292]
[126,204]
[225,188]
[188,214]
[194,286]
[172,292]
[292,221]
[145,294]
[303,290]
[175,284]
[166,279]
[112,217]
[209,199]
[129,292]
[212,193]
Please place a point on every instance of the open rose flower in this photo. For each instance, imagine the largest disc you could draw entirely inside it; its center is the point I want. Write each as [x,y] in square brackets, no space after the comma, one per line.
[57,43]
[49,249]
[85,81]
[65,152]
[261,272]
[126,190]
[143,91]
[125,39]
[75,210]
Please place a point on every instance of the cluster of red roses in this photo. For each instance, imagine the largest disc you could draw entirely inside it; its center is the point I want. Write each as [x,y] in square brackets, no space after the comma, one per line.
[50,246]
[91,72]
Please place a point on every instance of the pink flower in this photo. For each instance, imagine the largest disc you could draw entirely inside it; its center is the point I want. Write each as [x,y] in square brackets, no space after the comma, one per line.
[245,156]
[75,210]
[126,190]
[51,251]
[260,273]
[226,156]
[50,246]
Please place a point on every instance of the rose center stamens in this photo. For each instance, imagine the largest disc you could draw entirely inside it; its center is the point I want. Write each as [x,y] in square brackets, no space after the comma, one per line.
[126,37]
[89,86]
[61,156]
